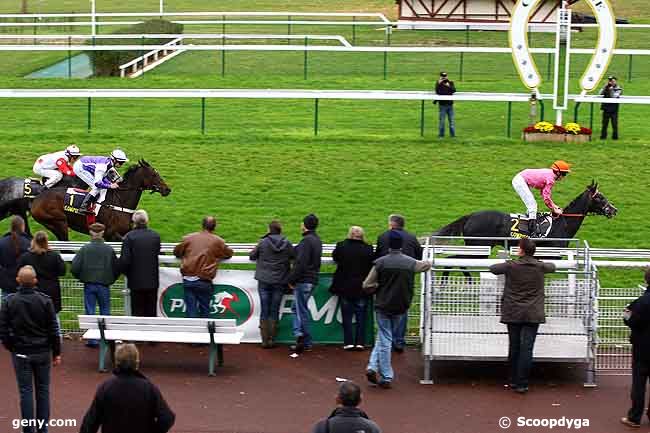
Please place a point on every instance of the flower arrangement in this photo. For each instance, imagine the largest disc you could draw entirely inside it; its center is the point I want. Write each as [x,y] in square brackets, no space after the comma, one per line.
[545,128]
[576,129]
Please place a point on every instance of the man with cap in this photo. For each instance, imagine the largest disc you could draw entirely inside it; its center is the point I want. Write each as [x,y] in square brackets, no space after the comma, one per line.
[302,279]
[391,279]
[445,87]
[610,111]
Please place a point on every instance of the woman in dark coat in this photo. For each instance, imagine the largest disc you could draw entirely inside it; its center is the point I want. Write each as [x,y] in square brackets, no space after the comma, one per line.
[49,266]
[353,258]
[12,246]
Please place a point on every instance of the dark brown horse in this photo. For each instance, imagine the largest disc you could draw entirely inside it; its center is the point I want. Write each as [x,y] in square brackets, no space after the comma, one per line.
[116,209]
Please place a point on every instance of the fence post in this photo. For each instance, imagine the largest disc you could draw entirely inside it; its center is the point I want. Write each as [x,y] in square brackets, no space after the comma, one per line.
[575,112]
[591,117]
[223,55]
[89,119]
[144,61]
[462,54]
[305,59]
[316,116]
[93,57]
[541,110]
[422,119]
[69,58]
[35,32]
[289,29]
[385,65]
[629,68]
[549,60]
[354,31]
[509,120]
[203,115]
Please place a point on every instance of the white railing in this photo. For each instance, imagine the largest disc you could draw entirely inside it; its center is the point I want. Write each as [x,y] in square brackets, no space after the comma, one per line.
[144,59]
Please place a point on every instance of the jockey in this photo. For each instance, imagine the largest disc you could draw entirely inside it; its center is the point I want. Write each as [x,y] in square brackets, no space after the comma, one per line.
[93,171]
[54,165]
[542,179]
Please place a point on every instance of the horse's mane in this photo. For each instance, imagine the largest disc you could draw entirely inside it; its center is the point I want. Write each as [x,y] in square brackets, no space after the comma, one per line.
[575,200]
[134,167]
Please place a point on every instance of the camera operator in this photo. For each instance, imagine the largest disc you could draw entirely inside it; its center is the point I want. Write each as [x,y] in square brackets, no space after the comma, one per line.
[444,86]
[610,111]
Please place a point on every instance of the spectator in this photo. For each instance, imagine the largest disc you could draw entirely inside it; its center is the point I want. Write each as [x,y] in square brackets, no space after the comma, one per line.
[302,279]
[49,266]
[391,278]
[200,254]
[128,402]
[12,246]
[445,87]
[637,317]
[347,418]
[28,329]
[610,111]
[412,248]
[522,308]
[273,254]
[353,258]
[139,262]
[96,266]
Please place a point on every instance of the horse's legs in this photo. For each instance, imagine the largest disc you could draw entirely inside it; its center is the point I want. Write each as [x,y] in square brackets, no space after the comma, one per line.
[52,218]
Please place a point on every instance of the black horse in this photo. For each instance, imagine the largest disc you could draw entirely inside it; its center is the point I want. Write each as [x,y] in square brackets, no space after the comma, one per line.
[14,202]
[116,211]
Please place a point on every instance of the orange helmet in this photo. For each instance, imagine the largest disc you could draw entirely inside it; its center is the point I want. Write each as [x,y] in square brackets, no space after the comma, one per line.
[561,166]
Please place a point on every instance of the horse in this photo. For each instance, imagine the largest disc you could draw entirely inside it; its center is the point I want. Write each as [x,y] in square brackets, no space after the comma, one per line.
[14,202]
[495,224]
[116,210]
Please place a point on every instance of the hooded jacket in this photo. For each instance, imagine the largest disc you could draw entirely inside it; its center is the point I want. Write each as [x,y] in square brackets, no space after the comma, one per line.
[308,258]
[346,420]
[273,254]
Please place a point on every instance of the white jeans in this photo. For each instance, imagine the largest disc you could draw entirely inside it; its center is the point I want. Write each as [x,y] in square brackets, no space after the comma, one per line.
[53,176]
[520,185]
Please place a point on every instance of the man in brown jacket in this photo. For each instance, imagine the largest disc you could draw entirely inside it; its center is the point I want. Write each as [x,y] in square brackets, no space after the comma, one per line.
[522,309]
[200,254]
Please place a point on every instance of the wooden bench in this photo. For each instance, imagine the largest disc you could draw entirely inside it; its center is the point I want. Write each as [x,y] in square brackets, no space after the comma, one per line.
[109,329]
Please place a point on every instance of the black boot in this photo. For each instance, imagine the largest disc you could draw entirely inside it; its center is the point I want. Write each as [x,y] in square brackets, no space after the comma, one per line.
[533,230]
[88,200]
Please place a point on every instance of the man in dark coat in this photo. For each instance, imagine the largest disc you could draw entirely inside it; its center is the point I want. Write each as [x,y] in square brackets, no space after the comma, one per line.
[347,417]
[522,308]
[410,247]
[29,330]
[610,111]
[139,262]
[273,255]
[637,317]
[353,258]
[302,279]
[128,402]
[12,246]
[391,279]
[446,87]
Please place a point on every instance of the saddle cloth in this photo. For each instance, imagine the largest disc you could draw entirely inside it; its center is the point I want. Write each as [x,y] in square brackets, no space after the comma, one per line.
[519,225]
[74,197]
[32,187]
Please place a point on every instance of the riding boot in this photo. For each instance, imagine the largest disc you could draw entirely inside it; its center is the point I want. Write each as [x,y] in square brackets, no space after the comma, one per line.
[273,332]
[265,331]
[533,230]
[88,200]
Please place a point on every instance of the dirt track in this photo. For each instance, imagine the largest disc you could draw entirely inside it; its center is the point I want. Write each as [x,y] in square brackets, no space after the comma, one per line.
[267,391]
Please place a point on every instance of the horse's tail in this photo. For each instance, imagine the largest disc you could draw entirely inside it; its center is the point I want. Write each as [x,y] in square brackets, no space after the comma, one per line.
[453,229]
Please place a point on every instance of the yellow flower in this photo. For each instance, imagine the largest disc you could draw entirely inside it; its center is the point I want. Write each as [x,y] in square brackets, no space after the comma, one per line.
[544,126]
[573,128]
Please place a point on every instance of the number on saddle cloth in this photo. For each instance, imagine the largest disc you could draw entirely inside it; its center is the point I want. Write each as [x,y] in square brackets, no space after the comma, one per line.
[72,200]
[33,187]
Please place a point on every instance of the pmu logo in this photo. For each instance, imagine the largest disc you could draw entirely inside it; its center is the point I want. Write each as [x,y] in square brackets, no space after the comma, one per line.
[226,302]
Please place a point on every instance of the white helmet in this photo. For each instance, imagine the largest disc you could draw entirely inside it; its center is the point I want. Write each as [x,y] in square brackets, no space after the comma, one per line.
[119,156]
[72,150]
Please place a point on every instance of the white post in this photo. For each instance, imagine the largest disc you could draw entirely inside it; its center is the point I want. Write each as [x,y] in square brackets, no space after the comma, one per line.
[162,7]
[93,12]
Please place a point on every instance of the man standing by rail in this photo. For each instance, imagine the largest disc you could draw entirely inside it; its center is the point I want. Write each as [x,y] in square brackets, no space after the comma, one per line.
[445,87]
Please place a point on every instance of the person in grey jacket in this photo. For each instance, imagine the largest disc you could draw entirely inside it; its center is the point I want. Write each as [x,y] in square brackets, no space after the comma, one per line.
[347,418]
[391,279]
[273,254]
[522,308]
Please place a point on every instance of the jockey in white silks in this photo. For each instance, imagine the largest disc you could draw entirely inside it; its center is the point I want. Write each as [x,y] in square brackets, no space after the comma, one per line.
[93,171]
[542,179]
[54,165]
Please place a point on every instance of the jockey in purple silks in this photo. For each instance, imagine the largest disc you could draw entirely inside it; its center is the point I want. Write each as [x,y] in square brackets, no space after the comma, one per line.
[93,170]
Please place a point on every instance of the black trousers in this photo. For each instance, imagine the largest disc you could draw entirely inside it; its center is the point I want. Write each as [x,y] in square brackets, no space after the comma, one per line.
[607,117]
[520,351]
[144,302]
[640,375]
